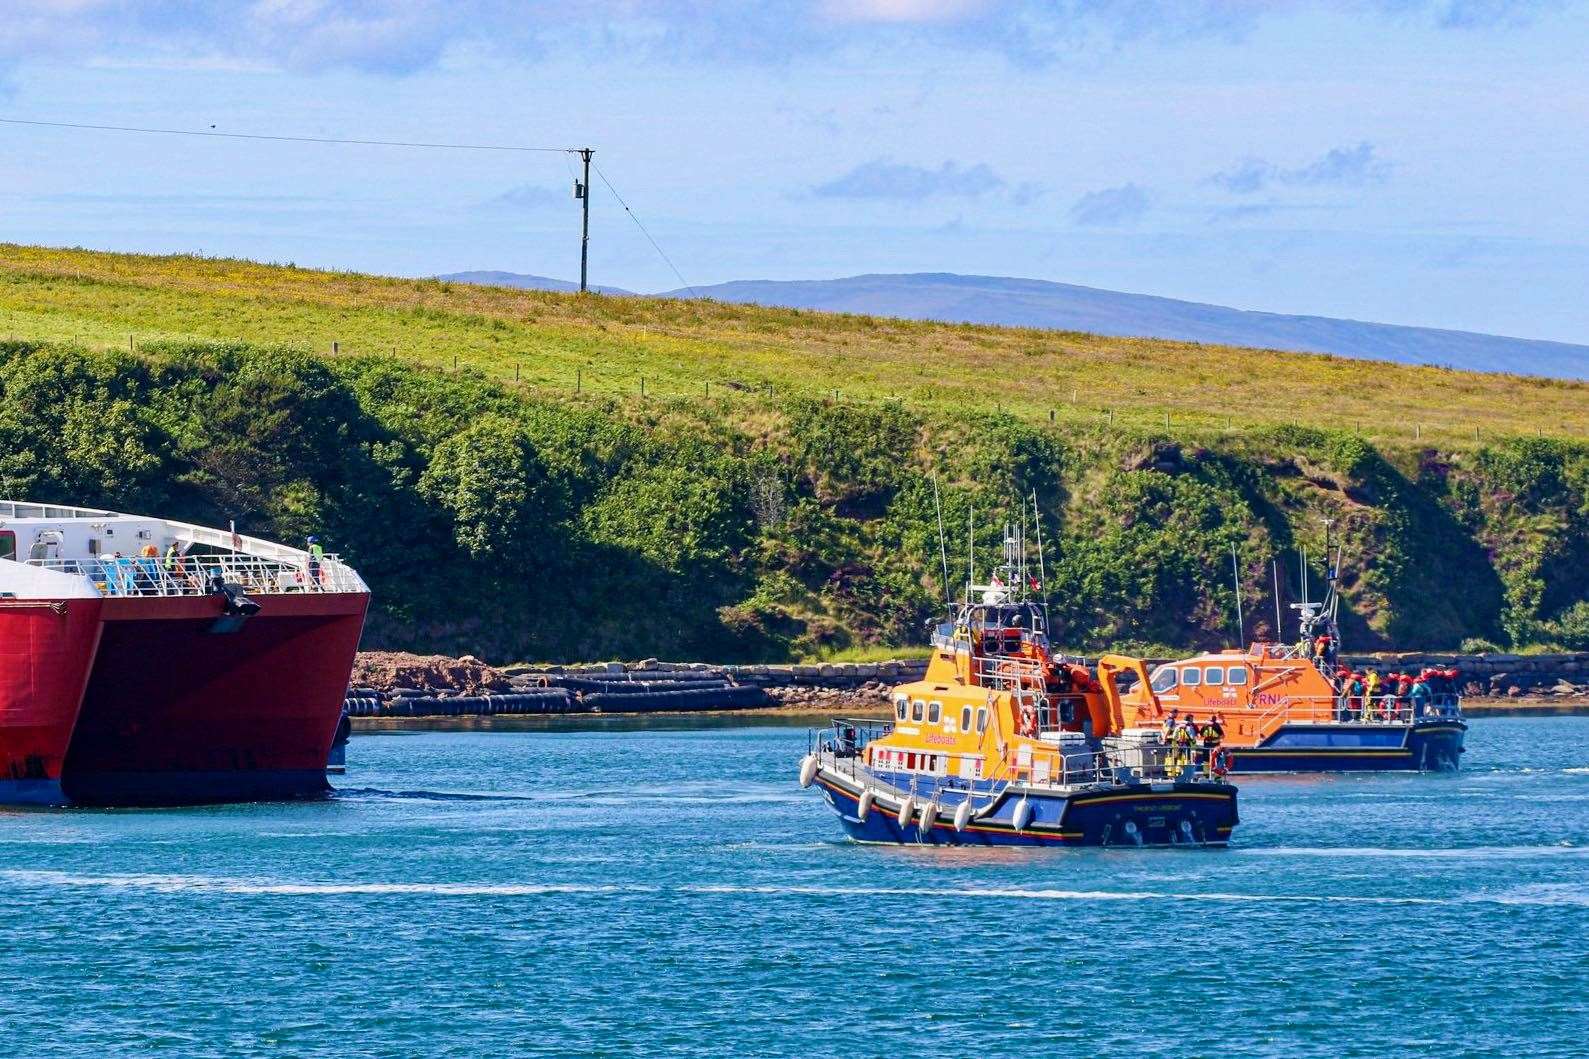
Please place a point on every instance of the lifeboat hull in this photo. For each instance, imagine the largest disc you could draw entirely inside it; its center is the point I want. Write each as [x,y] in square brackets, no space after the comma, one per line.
[1132,815]
[1432,745]
[159,701]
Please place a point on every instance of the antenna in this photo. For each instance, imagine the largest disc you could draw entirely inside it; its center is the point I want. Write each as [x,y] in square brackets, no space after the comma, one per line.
[1235,573]
[1280,634]
[1022,573]
[943,549]
[1303,575]
[971,550]
[1042,574]
[1329,571]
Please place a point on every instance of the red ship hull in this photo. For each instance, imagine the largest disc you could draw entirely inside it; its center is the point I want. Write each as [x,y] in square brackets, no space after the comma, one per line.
[141,701]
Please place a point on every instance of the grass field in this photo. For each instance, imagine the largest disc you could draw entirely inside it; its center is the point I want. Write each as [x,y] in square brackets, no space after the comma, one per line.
[615,346]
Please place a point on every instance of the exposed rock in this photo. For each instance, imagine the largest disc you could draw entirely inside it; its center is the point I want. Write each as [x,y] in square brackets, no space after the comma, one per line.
[389,670]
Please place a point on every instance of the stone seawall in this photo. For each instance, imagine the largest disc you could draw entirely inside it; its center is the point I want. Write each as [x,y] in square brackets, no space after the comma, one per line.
[1492,675]
[434,688]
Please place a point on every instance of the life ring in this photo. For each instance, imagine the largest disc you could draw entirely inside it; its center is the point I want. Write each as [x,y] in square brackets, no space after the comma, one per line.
[1028,719]
[1222,761]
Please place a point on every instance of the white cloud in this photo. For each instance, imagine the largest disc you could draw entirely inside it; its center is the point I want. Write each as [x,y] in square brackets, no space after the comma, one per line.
[906,11]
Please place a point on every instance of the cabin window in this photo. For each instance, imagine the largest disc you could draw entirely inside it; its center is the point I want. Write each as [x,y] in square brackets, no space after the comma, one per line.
[1237,675]
[1216,675]
[899,709]
[917,708]
[8,545]
[934,712]
[965,718]
[982,720]
[1164,679]
[1191,677]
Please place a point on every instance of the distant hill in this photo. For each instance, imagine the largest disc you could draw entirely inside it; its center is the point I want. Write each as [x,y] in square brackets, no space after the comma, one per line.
[525,282]
[1036,303]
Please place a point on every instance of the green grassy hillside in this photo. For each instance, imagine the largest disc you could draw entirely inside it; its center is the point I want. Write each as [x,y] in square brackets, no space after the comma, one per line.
[607,346]
[771,517]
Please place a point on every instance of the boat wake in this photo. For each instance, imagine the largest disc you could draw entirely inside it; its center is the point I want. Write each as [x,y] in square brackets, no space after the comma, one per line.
[252,887]
[1548,894]
[433,796]
[1455,853]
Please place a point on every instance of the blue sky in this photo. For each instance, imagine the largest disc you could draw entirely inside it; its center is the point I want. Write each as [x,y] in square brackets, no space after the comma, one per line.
[1410,161]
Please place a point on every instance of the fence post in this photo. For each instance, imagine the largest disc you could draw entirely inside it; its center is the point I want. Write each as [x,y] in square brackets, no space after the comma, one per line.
[578,379]
[642,386]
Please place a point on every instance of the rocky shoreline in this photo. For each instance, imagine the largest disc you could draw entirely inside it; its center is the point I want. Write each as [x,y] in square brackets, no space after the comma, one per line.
[392,684]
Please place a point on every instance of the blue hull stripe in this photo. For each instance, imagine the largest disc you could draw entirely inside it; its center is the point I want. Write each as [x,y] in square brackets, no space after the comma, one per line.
[1081,820]
[1325,748]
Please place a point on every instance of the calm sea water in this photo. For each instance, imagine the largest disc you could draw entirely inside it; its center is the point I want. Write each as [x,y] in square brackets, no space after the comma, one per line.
[653,891]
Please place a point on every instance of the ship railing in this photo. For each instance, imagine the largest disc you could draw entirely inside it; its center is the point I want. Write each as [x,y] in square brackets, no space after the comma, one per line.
[1349,710]
[1008,673]
[1083,767]
[197,575]
[843,744]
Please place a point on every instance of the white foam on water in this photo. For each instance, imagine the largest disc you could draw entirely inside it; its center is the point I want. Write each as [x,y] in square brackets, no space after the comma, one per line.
[1558,895]
[251,887]
[1578,771]
[1454,853]
[1549,895]
[1058,895]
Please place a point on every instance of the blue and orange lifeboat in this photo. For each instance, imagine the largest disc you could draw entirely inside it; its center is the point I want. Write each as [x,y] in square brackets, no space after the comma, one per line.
[1005,743]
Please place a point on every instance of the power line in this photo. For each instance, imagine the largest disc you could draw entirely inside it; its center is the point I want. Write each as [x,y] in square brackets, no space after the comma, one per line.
[584,152]
[293,139]
[684,282]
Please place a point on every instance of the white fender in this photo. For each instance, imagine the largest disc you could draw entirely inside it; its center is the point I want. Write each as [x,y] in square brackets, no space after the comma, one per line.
[1023,814]
[808,769]
[906,808]
[963,815]
[864,806]
[929,815]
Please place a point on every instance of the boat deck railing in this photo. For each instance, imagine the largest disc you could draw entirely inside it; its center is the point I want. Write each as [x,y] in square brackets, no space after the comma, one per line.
[1377,710]
[196,575]
[842,749]
[1007,673]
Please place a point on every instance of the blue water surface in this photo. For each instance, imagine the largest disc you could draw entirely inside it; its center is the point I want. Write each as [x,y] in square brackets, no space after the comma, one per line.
[652,891]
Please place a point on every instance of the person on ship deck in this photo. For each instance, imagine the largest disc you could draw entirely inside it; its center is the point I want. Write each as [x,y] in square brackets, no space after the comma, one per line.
[1354,697]
[1211,735]
[1324,651]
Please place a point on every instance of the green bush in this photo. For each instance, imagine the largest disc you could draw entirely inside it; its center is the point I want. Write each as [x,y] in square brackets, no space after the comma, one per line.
[515,525]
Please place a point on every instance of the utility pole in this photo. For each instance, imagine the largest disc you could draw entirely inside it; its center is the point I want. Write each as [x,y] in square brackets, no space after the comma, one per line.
[582,192]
